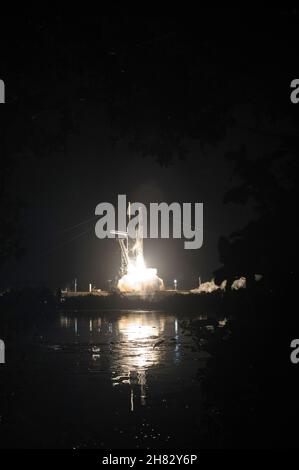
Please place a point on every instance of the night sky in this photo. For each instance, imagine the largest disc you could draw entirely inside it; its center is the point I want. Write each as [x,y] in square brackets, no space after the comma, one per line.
[148,107]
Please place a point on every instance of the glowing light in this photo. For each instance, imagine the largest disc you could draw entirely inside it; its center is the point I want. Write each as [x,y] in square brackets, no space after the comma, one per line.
[140,332]
[141,327]
[139,278]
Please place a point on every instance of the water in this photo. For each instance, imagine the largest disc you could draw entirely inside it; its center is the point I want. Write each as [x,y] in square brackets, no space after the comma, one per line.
[124,379]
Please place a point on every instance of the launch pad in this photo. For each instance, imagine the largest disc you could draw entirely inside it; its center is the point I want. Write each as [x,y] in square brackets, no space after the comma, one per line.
[135,276]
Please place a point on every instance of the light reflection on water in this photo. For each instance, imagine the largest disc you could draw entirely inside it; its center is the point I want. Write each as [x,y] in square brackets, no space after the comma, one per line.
[109,380]
[136,342]
[118,379]
[140,350]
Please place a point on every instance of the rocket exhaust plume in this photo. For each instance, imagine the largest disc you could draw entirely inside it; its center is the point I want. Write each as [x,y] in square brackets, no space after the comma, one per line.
[139,278]
[136,277]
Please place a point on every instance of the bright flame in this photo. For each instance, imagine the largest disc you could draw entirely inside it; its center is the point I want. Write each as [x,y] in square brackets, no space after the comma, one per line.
[139,278]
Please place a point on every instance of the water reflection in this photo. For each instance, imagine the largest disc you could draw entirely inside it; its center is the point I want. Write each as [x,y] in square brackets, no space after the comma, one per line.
[108,380]
[129,344]
[137,352]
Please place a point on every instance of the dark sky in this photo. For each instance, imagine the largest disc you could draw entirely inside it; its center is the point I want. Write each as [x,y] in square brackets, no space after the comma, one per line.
[156,104]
